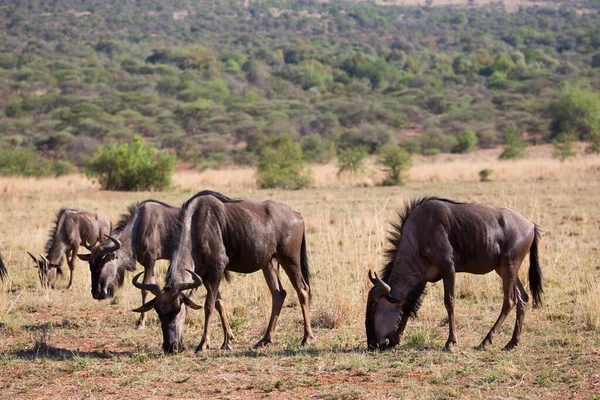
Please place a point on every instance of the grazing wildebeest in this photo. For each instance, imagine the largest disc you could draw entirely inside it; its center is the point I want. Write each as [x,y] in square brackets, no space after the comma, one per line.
[437,238]
[3,270]
[147,233]
[220,234]
[71,229]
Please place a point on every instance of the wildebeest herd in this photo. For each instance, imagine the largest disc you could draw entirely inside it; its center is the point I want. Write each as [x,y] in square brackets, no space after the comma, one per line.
[212,235]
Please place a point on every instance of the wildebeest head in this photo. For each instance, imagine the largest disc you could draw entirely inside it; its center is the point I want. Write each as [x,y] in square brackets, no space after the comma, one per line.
[105,274]
[382,315]
[168,305]
[46,270]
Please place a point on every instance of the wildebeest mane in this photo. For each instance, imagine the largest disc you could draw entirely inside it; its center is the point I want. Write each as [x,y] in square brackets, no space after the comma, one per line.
[131,210]
[415,296]
[54,228]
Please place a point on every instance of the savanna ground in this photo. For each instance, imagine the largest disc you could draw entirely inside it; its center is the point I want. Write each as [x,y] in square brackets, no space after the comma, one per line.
[64,344]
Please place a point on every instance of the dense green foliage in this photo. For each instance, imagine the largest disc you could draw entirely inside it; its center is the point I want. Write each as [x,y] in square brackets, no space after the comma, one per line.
[213,76]
[396,161]
[513,145]
[135,166]
[351,160]
[280,164]
[27,162]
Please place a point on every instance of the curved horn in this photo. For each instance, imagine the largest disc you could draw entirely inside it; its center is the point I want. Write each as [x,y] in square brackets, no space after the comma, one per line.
[32,256]
[380,288]
[87,245]
[151,287]
[178,288]
[117,242]
[372,278]
[44,258]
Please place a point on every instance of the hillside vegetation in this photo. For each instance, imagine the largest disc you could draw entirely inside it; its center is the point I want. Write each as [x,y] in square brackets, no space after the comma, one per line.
[211,80]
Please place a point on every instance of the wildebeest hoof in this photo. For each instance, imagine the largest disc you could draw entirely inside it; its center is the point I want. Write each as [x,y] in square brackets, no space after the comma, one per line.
[263,343]
[201,347]
[226,346]
[511,345]
[140,326]
[306,342]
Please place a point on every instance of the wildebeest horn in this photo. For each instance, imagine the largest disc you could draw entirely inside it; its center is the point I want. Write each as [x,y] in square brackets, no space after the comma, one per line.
[32,256]
[45,259]
[178,288]
[151,287]
[117,242]
[87,245]
[380,288]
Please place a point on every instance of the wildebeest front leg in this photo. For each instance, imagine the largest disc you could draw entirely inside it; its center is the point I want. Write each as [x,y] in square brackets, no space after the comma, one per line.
[508,275]
[148,279]
[71,262]
[227,333]
[448,278]
[278,295]
[212,288]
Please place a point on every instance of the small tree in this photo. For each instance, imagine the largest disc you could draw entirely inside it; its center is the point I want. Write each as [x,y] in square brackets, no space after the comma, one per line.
[350,159]
[514,146]
[563,146]
[280,164]
[484,174]
[395,161]
[466,142]
[131,167]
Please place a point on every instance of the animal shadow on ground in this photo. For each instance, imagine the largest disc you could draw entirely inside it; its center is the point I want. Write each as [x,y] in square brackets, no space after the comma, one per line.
[50,352]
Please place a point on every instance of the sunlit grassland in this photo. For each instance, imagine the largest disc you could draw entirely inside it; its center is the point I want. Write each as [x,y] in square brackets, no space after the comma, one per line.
[65,344]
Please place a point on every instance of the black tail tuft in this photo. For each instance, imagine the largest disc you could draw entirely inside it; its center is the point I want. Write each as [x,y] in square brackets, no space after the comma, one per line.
[304,265]
[3,270]
[535,272]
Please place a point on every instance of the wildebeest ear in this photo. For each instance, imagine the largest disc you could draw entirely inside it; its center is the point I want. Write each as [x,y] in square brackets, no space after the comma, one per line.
[84,257]
[188,302]
[146,307]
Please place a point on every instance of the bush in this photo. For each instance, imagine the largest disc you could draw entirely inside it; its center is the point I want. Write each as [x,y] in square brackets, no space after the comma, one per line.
[280,164]
[514,146]
[484,174]
[431,152]
[135,166]
[315,149]
[412,146]
[28,162]
[395,161]
[563,147]
[350,159]
[466,142]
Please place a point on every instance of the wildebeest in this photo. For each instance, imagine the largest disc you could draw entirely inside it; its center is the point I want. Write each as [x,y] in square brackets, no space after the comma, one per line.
[436,238]
[71,229]
[220,234]
[3,270]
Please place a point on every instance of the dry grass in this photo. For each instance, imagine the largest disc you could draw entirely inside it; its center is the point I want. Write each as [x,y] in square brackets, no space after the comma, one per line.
[64,344]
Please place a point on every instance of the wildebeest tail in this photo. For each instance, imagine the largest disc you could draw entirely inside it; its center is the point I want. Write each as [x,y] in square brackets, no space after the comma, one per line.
[3,270]
[535,272]
[304,264]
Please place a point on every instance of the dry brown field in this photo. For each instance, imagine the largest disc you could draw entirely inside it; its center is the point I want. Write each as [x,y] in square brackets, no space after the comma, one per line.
[64,344]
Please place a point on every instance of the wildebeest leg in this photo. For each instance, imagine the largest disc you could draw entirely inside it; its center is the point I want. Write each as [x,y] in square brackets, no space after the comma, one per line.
[227,333]
[448,278]
[271,272]
[212,288]
[71,262]
[508,274]
[522,299]
[292,269]
[148,278]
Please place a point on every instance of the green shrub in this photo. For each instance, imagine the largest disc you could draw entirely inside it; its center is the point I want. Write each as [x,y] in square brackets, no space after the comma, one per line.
[563,146]
[280,164]
[484,174]
[315,149]
[23,162]
[60,168]
[412,146]
[466,142]
[351,159]
[396,162]
[514,146]
[135,166]
[431,152]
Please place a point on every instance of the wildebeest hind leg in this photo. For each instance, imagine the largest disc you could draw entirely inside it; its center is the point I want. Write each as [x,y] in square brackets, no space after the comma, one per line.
[522,299]
[509,275]
[278,294]
[292,269]
[227,333]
